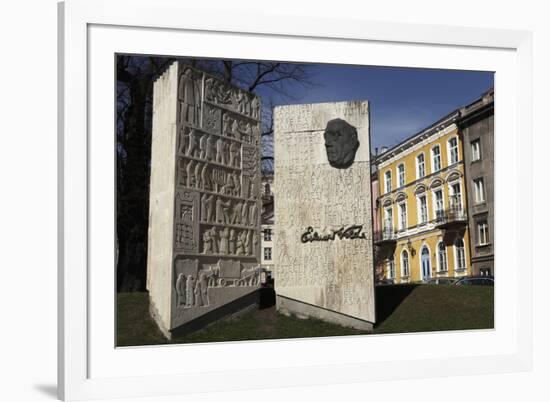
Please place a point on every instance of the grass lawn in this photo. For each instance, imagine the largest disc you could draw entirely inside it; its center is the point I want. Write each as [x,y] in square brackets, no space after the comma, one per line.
[400,308]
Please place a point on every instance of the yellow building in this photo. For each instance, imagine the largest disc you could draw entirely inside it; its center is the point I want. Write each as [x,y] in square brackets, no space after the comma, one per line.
[422,206]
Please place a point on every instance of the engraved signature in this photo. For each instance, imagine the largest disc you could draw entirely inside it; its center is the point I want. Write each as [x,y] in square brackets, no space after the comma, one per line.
[352,232]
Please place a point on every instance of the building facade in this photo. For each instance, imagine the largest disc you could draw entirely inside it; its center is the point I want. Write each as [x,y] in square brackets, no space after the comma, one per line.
[267,225]
[477,127]
[422,206]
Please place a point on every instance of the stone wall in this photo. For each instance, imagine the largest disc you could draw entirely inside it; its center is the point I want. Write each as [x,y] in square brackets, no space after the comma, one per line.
[323,215]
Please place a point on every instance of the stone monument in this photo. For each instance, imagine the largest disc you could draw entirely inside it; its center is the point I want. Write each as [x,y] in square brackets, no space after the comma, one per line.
[323,231]
[204,223]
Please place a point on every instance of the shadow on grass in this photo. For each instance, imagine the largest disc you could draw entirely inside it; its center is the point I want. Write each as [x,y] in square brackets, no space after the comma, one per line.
[388,298]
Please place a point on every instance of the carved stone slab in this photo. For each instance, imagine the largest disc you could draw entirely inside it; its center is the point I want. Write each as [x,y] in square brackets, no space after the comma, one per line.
[205,171]
[323,231]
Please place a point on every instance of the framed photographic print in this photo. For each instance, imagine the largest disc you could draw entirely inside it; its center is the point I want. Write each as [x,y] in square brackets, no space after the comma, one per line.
[240,193]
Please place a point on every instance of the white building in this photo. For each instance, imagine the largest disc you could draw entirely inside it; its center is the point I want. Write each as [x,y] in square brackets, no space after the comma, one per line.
[267,225]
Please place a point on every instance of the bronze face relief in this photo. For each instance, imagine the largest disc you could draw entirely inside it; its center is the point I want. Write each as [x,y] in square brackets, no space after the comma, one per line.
[341,143]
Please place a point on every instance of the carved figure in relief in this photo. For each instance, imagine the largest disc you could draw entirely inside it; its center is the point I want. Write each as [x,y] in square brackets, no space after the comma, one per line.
[190,174]
[222,211]
[226,152]
[201,289]
[207,242]
[214,236]
[244,214]
[205,178]
[211,149]
[180,289]
[189,97]
[184,140]
[256,134]
[233,151]
[255,241]
[236,184]
[209,90]
[219,151]
[203,207]
[182,166]
[193,148]
[255,105]
[237,211]
[209,208]
[203,146]
[341,143]
[241,102]
[198,169]
[253,215]
[248,242]
[224,241]
[241,241]
[227,188]
[235,129]
[190,291]
[226,126]
[232,238]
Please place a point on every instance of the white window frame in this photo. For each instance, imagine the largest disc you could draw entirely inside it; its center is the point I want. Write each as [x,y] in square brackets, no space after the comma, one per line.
[387,183]
[479,190]
[449,151]
[388,215]
[452,194]
[433,158]
[418,176]
[399,182]
[268,233]
[455,250]
[402,225]
[419,209]
[475,148]
[479,224]
[403,273]
[434,201]
[438,261]
[270,249]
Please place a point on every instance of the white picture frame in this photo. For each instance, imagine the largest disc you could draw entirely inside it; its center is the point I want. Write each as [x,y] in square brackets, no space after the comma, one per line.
[89,365]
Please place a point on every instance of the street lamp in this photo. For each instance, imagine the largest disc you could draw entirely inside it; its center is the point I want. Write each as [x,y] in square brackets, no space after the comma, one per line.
[410,247]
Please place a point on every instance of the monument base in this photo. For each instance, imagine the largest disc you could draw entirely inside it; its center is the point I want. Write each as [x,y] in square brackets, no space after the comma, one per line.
[303,310]
[231,310]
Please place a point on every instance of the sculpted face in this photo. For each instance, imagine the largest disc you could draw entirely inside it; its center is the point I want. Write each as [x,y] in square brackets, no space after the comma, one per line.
[341,143]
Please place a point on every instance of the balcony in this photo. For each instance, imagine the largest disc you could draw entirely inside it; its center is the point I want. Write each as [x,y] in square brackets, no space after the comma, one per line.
[386,236]
[451,218]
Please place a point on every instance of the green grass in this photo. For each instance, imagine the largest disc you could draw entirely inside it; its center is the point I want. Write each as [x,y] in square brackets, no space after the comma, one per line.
[401,308]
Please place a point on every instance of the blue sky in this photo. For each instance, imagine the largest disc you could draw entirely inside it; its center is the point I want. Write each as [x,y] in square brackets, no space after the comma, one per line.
[403,100]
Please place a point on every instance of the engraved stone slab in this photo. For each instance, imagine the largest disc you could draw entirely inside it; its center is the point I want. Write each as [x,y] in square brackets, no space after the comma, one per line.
[204,227]
[323,241]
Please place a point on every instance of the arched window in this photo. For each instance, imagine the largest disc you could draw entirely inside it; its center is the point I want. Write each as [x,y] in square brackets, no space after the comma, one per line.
[442,257]
[391,268]
[405,271]
[420,166]
[401,175]
[460,255]
[387,181]
[436,159]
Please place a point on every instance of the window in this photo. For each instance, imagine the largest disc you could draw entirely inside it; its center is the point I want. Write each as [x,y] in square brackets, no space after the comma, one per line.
[456,197]
[387,181]
[476,150]
[391,268]
[436,158]
[422,210]
[482,233]
[453,151]
[401,175]
[460,255]
[267,253]
[405,263]
[420,167]
[402,216]
[267,234]
[388,219]
[442,257]
[479,191]
[485,271]
[438,204]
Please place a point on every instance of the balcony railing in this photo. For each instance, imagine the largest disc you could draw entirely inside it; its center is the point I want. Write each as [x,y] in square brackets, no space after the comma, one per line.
[450,217]
[386,235]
